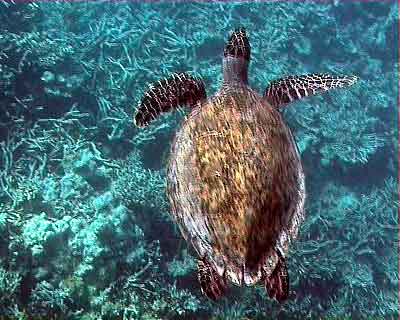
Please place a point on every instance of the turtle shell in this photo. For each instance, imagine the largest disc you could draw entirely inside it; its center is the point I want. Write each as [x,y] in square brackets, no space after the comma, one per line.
[236,183]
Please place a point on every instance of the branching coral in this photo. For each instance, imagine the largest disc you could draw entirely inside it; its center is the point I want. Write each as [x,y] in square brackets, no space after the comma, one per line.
[341,130]
[9,284]
[135,185]
[39,232]
[49,301]
[349,236]
[349,135]
[183,266]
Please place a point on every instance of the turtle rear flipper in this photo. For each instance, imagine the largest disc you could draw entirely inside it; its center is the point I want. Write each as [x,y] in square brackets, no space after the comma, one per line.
[277,284]
[283,91]
[211,283]
[169,93]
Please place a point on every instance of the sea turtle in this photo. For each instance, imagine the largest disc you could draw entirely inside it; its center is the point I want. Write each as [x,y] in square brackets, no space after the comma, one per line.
[235,180]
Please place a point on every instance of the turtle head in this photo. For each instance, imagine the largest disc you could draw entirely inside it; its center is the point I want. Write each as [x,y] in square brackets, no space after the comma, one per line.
[236,57]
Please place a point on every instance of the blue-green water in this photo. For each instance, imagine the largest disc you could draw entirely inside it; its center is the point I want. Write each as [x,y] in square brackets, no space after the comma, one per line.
[85,231]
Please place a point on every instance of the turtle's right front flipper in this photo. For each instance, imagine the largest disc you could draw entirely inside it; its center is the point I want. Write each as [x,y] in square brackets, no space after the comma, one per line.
[283,91]
[167,94]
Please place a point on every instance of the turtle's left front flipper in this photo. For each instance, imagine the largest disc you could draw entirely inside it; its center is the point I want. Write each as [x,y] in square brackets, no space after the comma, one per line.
[283,91]
[164,95]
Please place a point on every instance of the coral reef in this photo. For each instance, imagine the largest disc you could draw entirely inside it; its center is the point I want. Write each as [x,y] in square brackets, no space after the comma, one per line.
[84,225]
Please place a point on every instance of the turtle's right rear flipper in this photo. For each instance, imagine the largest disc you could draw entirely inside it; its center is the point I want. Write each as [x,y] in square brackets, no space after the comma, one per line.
[166,94]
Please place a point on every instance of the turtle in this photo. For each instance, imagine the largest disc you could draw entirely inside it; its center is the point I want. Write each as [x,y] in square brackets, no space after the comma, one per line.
[235,180]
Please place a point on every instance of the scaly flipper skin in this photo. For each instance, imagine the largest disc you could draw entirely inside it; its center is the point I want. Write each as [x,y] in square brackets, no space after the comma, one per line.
[283,91]
[167,94]
[212,285]
[277,284]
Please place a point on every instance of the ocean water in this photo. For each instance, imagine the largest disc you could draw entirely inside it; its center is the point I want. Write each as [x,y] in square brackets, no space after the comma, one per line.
[85,225]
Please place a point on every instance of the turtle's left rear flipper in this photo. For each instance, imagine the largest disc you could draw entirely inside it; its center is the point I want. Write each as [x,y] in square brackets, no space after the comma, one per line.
[212,284]
[166,94]
[283,91]
[277,284]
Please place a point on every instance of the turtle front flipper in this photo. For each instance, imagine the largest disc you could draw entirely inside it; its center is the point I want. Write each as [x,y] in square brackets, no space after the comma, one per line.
[283,91]
[277,284]
[166,94]
[211,283]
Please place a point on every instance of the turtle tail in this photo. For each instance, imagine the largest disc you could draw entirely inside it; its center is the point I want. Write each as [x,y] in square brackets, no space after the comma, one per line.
[167,94]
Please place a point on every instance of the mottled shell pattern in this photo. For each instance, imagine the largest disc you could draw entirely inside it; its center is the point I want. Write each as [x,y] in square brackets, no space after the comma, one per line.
[236,183]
